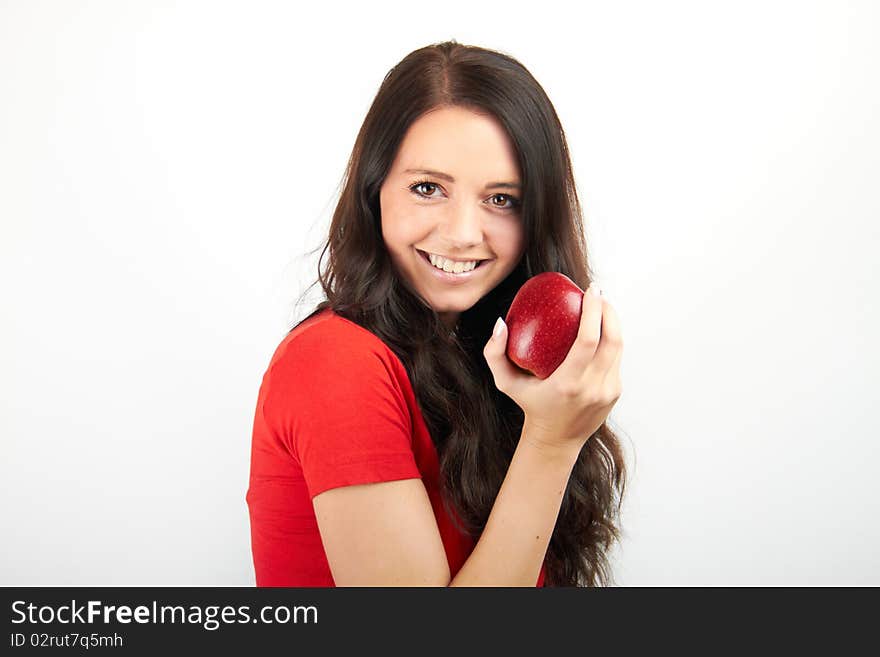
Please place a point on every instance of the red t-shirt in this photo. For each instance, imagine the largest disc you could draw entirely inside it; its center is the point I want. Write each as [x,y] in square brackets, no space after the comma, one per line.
[335,408]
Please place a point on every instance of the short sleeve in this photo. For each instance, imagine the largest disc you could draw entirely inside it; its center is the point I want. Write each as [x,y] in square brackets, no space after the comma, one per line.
[335,401]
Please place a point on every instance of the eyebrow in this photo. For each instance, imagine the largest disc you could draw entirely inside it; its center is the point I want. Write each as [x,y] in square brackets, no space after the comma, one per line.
[448,178]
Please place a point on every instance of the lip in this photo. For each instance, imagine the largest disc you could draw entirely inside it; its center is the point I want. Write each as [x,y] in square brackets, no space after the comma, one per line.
[447,277]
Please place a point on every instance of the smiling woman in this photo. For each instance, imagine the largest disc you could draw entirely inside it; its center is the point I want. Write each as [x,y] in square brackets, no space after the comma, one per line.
[463,221]
[383,451]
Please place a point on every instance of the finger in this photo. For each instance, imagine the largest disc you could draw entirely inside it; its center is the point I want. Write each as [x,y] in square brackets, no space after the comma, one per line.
[506,375]
[587,341]
[610,344]
[612,378]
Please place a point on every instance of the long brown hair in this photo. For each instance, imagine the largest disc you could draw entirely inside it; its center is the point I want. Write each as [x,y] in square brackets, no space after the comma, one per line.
[475,428]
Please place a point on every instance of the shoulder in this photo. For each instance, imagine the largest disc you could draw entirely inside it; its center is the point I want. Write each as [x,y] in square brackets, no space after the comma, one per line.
[331,343]
[337,396]
[328,362]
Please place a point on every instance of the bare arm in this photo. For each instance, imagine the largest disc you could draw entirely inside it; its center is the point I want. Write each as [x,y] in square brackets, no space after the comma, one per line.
[511,549]
[385,534]
[382,534]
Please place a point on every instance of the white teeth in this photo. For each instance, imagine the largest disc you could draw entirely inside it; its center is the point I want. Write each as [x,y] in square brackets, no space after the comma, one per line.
[450,266]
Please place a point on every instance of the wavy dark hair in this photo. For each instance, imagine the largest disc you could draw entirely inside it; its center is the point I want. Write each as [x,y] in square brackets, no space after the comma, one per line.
[474,426]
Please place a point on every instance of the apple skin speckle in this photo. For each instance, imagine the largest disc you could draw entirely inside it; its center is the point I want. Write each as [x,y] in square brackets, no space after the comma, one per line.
[542,322]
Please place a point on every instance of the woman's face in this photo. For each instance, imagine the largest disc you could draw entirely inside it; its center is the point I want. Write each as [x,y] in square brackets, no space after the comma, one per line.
[453,191]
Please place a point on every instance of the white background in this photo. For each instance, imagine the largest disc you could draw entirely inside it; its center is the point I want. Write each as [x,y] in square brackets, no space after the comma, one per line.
[165,168]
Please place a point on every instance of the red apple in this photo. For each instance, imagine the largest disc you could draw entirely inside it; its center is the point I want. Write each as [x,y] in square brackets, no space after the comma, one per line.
[542,322]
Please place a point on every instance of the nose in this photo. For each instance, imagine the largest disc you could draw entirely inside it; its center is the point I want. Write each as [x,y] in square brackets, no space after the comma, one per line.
[462,227]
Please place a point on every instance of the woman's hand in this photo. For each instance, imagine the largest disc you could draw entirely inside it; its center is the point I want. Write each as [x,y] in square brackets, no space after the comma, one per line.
[567,407]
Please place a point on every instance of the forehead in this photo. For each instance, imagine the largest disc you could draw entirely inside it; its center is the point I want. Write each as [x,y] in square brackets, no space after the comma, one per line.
[460,142]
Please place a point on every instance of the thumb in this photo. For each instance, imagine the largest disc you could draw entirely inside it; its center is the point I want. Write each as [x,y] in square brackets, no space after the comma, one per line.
[495,354]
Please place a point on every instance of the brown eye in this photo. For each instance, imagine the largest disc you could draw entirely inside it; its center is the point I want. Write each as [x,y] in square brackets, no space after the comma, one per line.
[428,194]
[511,202]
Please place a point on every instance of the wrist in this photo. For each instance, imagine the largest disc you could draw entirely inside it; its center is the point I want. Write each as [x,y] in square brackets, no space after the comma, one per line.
[550,443]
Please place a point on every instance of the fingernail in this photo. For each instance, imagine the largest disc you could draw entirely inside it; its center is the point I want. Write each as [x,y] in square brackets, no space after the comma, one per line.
[499,326]
[594,289]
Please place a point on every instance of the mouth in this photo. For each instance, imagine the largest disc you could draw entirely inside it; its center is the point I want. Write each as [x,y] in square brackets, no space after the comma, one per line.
[452,277]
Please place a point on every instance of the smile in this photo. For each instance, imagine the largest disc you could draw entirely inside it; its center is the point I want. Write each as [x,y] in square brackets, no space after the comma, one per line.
[452,276]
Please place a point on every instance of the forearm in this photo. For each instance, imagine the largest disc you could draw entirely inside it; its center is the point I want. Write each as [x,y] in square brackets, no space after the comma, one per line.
[513,544]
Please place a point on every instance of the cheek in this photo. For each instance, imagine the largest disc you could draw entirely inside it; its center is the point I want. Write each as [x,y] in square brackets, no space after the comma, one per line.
[402,226]
[393,224]
[508,239]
